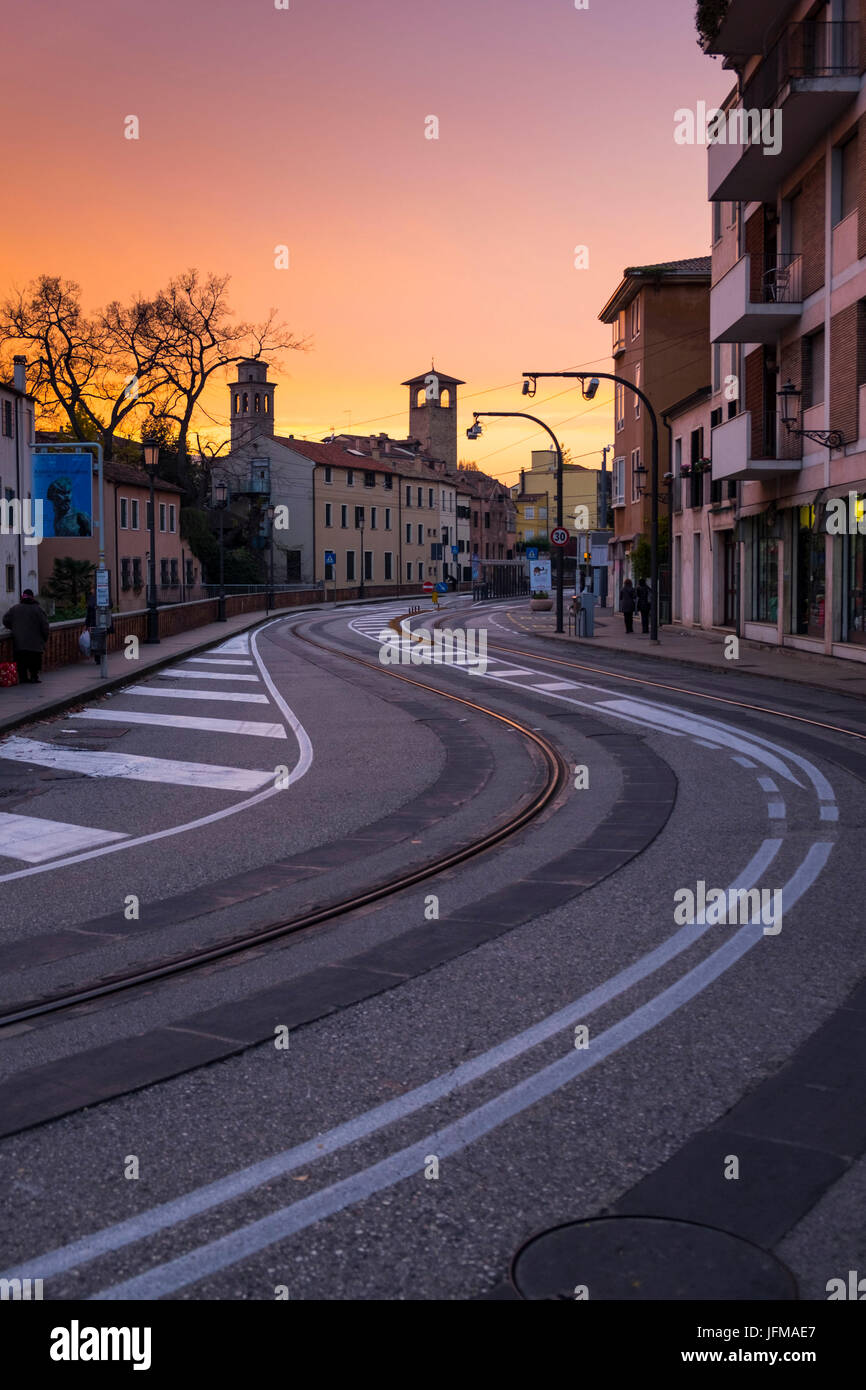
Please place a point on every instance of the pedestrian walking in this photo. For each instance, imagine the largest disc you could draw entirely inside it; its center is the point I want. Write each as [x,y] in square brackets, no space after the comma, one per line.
[29,627]
[643,599]
[435,597]
[627,604]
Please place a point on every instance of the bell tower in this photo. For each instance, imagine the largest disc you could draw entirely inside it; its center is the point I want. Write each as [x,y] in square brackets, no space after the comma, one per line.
[433,413]
[252,402]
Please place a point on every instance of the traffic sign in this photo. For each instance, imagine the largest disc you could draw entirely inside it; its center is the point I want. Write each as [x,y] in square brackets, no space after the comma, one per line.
[102,596]
[455,550]
[428,586]
[330,557]
[441,587]
[559,536]
[532,552]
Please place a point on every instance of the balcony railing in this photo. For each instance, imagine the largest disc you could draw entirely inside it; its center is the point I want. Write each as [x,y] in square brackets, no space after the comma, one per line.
[807,49]
[777,279]
[618,339]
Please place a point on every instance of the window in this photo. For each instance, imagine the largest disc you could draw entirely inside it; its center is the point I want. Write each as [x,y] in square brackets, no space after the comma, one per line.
[174,577]
[350,566]
[328,476]
[474,518]
[715,417]
[388,482]
[619,405]
[696,447]
[637,397]
[10,579]
[134,513]
[369,480]
[387,518]
[764,586]
[267,405]
[635,317]
[717,368]
[408,496]
[350,477]
[636,476]
[136,573]
[344,516]
[845,167]
[162,516]
[542,513]
[813,369]
[190,569]
[246,402]
[408,571]
[717,222]
[373,513]
[618,482]
[529,513]
[172,517]
[420,571]
[359,518]
[124,509]
[487,520]
[368,564]
[420,535]
[328,514]
[163,572]
[420,497]
[258,405]
[408,533]
[430,502]
[125,574]
[8,426]
[389,565]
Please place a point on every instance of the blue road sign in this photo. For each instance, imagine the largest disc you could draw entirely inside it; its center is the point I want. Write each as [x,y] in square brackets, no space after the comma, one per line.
[330,557]
[532,552]
[455,550]
[441,587]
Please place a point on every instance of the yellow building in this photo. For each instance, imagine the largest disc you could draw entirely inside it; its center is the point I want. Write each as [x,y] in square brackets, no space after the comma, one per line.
[579,489]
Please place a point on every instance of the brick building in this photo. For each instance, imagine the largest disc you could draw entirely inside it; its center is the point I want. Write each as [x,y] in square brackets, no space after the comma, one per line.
[788,309]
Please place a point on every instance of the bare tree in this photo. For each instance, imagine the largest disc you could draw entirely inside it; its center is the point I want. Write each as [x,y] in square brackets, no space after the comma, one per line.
[90,373]
[194,336]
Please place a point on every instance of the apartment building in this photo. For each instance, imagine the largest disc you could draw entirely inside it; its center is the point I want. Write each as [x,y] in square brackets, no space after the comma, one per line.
[493,516]
[18,560]
[788,317]
[659,315]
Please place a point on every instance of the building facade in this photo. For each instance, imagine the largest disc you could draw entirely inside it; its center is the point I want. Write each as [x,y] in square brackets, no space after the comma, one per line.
[788,317]
[19,565]
[659,315]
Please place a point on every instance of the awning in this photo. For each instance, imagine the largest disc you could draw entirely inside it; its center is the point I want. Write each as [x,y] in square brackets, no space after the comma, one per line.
[623,540]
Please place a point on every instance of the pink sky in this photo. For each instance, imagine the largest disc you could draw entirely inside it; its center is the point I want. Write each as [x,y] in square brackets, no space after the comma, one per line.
[305,126]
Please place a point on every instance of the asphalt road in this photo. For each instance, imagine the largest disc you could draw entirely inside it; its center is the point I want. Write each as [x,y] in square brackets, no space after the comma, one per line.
[432,1111]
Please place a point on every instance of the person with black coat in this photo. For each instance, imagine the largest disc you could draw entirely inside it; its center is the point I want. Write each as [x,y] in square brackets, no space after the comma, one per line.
[627,604]
[30,630]
[642,595]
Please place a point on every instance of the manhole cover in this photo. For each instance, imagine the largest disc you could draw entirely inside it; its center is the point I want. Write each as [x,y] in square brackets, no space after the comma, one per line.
[631,1258]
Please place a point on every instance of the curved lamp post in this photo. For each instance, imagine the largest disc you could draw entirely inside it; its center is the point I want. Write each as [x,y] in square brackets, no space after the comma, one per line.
[221,494]
[150,453]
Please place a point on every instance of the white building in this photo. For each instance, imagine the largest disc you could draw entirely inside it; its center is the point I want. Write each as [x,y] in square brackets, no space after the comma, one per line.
[18,560]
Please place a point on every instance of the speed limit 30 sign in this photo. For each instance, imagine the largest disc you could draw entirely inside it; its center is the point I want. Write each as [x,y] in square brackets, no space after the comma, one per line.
[559,536]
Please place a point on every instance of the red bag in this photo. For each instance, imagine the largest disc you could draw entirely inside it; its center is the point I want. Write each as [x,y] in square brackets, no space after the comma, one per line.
[8,673]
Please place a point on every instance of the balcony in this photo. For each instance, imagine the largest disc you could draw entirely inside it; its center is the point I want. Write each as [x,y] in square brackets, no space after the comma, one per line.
[747,452]
[618,339]
[808,78]
[758,298]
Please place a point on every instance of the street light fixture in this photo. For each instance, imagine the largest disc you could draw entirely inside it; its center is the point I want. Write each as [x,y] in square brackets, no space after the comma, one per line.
[790,414]
[221,495]
[475,430]
[150,454]
[361,580]
[589,383]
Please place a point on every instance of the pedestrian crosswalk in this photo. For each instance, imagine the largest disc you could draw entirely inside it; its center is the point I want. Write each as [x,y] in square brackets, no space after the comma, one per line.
[211,679]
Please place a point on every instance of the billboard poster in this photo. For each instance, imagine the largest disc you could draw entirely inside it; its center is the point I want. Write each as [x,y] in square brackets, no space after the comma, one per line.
[539,574]
[64,484]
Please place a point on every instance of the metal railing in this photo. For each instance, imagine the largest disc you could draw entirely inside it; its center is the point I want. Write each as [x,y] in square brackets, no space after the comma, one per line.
[777,279]
[774,441]
[808,48]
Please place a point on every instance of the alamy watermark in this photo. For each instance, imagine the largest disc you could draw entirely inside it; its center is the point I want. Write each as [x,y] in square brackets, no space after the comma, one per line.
[22,517]
[705,906]
[445,646]
[738,126]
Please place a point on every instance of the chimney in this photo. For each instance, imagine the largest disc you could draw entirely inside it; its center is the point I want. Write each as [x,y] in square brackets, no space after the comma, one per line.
[522,480]
[20,373]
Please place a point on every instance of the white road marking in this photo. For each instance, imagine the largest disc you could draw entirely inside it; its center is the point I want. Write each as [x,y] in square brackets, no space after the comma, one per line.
[221,660]
[829,812]
[554,685]
[34,840]
[176,673]
[453,1138]
[235,646]
[186,721]
[776,810]
[225,1189]
[238,696]
[305,759]
[134,767]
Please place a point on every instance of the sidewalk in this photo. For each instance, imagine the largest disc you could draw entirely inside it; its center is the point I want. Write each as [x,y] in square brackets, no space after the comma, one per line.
[697,647]
[80,682]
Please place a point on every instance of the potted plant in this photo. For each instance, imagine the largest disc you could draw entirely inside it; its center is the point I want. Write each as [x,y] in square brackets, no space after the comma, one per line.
[540,601]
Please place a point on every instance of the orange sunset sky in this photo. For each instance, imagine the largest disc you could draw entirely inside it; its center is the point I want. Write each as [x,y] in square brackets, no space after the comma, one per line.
[306,127]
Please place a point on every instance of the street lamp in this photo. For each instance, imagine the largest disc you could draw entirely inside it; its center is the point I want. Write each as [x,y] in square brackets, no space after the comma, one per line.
[362,522]
[790,414]
[473,433]
[269,601]
[589,385]
[221,493]
[150,453]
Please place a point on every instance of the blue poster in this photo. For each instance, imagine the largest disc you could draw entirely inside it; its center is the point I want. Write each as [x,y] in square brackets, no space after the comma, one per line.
[64,485]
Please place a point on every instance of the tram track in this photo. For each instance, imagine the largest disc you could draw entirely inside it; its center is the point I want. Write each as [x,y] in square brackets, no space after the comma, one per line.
[189,961]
